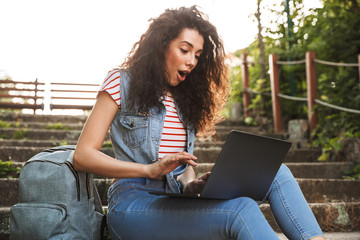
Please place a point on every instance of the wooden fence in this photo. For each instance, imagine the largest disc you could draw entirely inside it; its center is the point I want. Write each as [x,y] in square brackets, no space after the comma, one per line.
[311,99]
[25,95]
[72,95]
[20,95]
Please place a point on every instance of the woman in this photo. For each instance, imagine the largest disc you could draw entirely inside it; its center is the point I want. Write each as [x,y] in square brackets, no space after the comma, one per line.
[171,87]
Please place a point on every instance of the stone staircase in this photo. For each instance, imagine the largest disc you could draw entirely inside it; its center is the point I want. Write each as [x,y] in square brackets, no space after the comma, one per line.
[334,201]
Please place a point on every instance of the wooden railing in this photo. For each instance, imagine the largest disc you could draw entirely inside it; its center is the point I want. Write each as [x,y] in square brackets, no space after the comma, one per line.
[25,95]
[311,99]
[21,95]
[73,95]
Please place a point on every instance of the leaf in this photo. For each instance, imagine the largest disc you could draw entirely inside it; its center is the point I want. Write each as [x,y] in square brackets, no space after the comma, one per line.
[323,157]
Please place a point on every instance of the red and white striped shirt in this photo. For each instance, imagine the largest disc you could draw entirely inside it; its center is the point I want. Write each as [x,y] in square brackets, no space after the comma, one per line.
[173,139]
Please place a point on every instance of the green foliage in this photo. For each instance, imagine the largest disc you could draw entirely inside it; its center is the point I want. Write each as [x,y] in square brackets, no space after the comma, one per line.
[236,90]
[331,31]
[19,134]
[7,170]
[353,174]
[332,134]
[236,84]
[260,105]
[57,126]
[4,136]
[250,121]
[332,34]
[107,144]
[4,124]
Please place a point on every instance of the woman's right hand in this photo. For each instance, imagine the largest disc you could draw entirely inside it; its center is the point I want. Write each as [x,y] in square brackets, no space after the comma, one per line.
[168,163]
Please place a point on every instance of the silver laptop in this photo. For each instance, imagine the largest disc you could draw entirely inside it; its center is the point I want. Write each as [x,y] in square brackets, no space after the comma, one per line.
[246,166]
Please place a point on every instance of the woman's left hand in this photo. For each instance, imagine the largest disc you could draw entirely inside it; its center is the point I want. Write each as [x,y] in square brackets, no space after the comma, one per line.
[197,185]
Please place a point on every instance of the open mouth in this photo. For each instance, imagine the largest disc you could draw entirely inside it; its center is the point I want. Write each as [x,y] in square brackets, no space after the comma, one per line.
[182,75]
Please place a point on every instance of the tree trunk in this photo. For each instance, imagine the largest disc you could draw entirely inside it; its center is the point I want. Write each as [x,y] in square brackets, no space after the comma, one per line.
[261,44]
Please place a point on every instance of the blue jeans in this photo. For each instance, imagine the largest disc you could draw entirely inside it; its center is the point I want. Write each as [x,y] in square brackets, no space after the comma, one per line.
[135,214]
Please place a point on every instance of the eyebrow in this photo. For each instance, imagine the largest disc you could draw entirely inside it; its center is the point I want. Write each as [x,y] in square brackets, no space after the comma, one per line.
[190,44]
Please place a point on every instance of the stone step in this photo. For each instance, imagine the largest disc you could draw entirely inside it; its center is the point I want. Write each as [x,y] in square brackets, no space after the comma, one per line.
[319,170]
[46,125]
[329,170]
[210,154]
[22,154]
[79,124]
[45,134]
[220,135]
[332,236]
[314,190]
[223,131]
[27,118]
[16,117]
[332,217]
[35,143]
[39,134]
[339,221]
[204,155]
[209,147]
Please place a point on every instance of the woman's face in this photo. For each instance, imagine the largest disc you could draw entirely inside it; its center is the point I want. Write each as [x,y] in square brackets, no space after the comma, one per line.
[183,54]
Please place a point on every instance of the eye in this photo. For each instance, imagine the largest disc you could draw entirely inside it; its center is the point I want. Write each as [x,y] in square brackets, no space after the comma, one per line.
[184,50]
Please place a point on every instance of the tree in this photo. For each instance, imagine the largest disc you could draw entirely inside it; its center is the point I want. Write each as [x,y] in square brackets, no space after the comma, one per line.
[332,32]
[260,42]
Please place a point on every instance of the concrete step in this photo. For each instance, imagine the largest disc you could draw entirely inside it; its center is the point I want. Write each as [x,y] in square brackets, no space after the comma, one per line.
[22,154]
[44,134]
[314,190]
[210,154]
[204,155]
[26,118]
[38,134]
[40,126]
[46,125]
[332,217]
[319,170]
[335,219]
[54,143]
[35,143]
[223,131]
[17,117]
[300,170]
[333,236]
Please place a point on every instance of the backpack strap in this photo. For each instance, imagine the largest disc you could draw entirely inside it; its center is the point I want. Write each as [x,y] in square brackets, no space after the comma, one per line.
[98,208]
[98,205]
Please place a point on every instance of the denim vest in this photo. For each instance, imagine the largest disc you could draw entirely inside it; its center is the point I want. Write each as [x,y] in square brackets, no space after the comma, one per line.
[136,136]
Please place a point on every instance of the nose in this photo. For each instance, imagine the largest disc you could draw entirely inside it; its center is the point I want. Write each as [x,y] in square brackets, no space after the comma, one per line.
[191,61]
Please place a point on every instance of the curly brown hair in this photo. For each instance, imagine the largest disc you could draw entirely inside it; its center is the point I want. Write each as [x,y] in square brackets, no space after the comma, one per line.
[204,92]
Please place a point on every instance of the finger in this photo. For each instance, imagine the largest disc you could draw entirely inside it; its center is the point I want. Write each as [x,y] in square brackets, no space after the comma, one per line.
[188,161]
[188,155]
[185,156]
[180,159]
[205,176]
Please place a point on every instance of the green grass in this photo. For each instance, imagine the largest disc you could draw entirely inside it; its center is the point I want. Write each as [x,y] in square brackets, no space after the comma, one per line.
[57,126]
[7,170]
